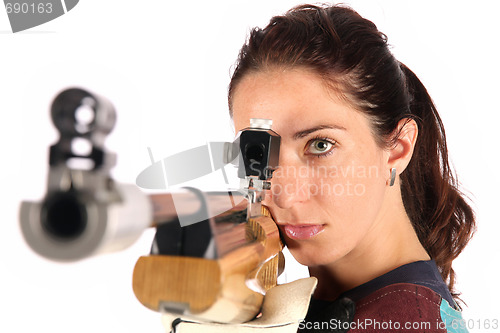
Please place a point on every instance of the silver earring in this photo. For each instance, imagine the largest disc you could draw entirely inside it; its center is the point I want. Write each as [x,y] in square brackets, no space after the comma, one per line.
[393,176]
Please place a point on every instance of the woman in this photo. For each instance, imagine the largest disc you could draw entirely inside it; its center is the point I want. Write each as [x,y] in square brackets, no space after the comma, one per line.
[364,195]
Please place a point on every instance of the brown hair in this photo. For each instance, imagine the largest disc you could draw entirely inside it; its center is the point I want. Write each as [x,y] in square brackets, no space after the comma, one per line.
[353,57]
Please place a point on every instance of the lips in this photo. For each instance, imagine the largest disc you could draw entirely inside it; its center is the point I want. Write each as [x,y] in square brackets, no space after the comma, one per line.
[302,232]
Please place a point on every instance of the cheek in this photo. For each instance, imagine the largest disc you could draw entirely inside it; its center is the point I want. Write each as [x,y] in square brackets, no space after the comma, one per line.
[349,204]
[362,187]
[352,201]
[350,185]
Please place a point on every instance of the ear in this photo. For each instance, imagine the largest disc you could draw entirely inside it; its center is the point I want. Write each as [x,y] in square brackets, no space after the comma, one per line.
[401,152]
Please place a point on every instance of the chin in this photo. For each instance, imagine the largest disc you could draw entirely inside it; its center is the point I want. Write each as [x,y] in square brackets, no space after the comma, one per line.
[309,256]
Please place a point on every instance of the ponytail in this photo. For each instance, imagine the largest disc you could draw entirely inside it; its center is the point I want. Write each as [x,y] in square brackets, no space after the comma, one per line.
[441,217]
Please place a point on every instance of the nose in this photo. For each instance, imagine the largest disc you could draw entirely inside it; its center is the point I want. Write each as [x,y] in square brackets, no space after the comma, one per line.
[289,185]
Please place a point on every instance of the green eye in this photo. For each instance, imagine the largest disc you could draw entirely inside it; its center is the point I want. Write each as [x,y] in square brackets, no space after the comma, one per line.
[320,147]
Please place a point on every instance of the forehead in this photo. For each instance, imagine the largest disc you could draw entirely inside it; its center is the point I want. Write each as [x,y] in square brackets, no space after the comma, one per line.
[292,98]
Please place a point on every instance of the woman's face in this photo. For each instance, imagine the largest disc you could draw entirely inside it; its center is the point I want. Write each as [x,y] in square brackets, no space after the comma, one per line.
[328,194]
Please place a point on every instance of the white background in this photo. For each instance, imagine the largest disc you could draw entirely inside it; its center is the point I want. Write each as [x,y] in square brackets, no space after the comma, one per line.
[166,67]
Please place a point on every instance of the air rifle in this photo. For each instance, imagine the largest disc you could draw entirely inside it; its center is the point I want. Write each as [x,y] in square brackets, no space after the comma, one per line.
[215,254]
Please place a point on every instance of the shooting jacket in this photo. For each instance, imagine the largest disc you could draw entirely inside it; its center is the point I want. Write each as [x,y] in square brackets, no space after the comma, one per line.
[410,298]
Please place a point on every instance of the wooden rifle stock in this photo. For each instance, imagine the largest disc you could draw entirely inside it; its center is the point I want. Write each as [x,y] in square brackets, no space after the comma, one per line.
[85,213]
[227,289]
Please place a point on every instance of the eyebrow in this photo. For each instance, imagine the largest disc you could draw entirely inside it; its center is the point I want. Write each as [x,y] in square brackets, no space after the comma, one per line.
[308,131]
